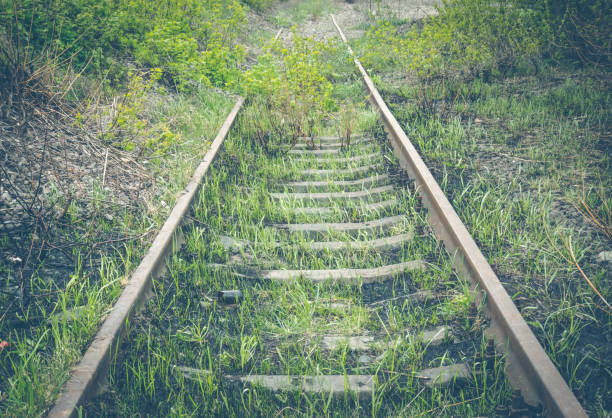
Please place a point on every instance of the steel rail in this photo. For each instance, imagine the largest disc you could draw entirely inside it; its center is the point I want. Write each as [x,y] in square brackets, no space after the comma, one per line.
[89,373]
[528,366]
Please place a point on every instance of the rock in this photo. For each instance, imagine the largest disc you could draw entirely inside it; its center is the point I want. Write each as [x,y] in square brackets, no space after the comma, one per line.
[337,385]
[70,314]
[13,259]
[230,243]
[10,225]
[356,343]
[365,359]
[435,336]
[445,375]
[604,256]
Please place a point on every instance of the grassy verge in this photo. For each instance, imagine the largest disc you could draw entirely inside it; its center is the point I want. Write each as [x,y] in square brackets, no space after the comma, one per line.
[521,157]
[105,110]
[47,334]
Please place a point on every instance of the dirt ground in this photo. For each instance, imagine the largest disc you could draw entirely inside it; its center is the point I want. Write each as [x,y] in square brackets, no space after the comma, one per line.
[351,16]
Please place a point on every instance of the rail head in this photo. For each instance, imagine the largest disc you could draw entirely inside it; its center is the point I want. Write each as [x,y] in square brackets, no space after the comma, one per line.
[529,367]
[87,375]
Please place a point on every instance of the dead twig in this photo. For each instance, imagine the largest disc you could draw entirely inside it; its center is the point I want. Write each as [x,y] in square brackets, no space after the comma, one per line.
[105,164]
[567,243]
[412,400]
[451,405]
[589,213]
[514,157]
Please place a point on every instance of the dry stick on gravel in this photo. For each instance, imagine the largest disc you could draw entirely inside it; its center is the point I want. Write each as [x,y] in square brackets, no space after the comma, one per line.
[413,399]
[105,164]
[451,405]
[568,246]
[592,217]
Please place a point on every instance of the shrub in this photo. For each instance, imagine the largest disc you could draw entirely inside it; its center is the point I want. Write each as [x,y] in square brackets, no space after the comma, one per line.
[258,4]
[290,85]
[199,46]
[580,28]
[472,35]
[128,129]
[191,40]
[486,36]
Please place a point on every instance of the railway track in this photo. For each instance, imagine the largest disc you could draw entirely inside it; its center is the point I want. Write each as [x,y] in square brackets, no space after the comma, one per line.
[343,300]
[332,247]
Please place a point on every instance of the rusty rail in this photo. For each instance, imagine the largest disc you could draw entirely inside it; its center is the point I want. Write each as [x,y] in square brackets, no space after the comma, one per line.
[528,366]
[93,367]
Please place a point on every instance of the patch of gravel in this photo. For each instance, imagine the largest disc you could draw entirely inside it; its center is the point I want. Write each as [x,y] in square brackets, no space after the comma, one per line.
[61,187]
[402,9]
[352,16]
[348,16]
[43,158]
[256,23]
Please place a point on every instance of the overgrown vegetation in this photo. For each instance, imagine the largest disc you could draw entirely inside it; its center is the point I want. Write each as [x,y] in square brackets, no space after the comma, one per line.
[483,37]
[193,42]
[509,103]
[106,106]
[290,90]
[182,357]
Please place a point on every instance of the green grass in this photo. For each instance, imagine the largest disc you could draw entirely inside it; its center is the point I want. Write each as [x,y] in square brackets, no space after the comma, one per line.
[299,11]
[516,155]
[48,333]
[185,342]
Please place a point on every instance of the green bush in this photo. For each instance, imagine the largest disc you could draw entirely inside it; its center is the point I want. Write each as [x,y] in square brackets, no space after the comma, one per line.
[258,4]
[75,27]
[580,28]
[290,85]
[474,36]
[197,45]
[191,40]
[480,37]
[292,74]
[482,34]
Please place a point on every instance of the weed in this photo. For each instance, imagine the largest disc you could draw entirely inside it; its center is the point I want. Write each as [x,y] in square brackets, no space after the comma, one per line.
[297,327]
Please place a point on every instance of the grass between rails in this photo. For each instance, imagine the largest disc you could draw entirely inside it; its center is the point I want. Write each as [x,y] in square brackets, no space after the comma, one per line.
[185,342]
[517,156]
[49,333]
[297,12]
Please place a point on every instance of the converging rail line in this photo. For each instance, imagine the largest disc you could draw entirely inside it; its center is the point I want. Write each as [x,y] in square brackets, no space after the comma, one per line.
[532,369]
[352,232]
